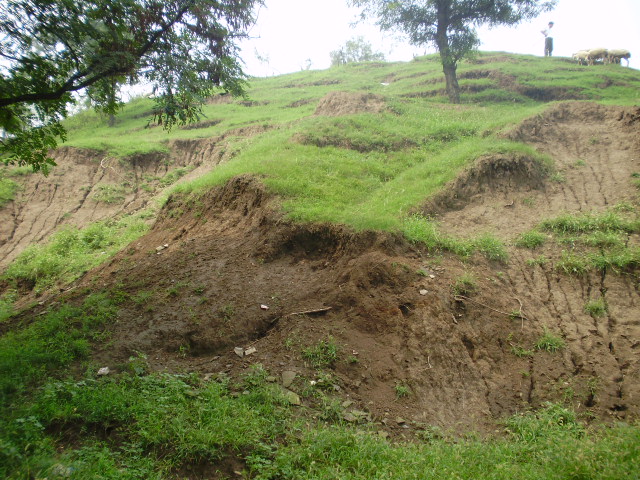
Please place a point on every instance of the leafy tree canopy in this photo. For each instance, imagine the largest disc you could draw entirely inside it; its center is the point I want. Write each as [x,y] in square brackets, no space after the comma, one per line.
[355,50]
[50,49]
[450,25]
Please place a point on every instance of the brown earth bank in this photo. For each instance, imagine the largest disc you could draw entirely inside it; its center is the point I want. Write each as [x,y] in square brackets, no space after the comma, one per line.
[88,186]
[228,272]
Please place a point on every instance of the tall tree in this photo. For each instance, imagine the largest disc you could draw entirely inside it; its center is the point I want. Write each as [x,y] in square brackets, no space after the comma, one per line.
[50,49]
[450,25]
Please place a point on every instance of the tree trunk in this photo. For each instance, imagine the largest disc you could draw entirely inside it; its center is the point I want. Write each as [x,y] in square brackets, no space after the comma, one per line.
[449,62]
[453,89]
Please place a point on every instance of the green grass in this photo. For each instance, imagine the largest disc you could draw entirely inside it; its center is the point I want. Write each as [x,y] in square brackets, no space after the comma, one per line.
[596,307]
[8,189]
[137,426]
[466,284]
[531,239]
[549,342]
[71,251]
[321,355]
[593,240]
[366,171]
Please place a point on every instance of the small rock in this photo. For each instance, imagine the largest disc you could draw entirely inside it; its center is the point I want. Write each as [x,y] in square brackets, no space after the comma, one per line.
[432,276]
[250,351]
[271,379]
[264,307]
[239,351]
[350,417]
[59,470]
[347,403]
[103,371]
[287,378]
[400,421]
[291,397]
[423,292]
[160,248]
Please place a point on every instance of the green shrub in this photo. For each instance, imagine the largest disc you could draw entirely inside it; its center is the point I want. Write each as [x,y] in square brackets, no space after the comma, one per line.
[321,355]
[531,239]
[549,342]
[464,285]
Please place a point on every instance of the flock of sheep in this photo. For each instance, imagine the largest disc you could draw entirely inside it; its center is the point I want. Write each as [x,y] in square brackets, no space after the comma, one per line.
[590,57]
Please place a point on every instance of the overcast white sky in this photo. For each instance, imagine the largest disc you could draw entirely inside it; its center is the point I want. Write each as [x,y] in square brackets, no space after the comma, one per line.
[291,32]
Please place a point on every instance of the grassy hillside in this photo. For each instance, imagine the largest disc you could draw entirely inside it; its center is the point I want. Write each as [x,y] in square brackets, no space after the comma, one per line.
[369,169]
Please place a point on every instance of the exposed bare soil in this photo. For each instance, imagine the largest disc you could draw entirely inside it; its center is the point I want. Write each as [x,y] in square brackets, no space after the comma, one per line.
[74,192]
[236,274]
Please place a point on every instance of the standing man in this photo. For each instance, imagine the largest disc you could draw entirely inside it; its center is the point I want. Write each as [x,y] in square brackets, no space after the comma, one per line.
[548,40]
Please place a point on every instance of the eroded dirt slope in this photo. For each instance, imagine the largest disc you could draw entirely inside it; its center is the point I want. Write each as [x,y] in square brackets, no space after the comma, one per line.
[229,272]
[87,186]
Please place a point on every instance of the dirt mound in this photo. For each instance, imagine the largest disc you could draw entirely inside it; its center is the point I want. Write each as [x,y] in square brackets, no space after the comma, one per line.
[497,173]
[227,272]
[348,103]
[593,148]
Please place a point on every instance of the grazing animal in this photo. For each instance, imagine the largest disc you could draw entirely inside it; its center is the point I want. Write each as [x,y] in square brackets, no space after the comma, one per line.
[597,54]
[615,56]
[582,56]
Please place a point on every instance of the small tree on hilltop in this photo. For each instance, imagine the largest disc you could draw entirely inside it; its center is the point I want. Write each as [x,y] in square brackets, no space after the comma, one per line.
[450,25]
[51,49]
[355,50]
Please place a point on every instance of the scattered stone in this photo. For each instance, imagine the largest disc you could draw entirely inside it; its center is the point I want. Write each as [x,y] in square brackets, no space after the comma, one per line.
[347,403]
[103,371]
[59,470]
[350,417]
[432,276]
[250,351]
[423,292]
[287,378]
[400,421]
[291,397]
[264,307]
[239,351]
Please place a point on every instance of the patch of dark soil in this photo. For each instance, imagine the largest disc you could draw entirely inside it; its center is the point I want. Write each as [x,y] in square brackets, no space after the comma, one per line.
[550,94]
[231,465]
[253,103]
[206,124]
[319,83]
[349,103]
[299,103]
[220,99]
[495,173]
[357,144]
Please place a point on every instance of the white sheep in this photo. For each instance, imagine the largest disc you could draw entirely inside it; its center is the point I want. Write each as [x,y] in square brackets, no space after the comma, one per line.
[596,54]
[582,56]
[615,56]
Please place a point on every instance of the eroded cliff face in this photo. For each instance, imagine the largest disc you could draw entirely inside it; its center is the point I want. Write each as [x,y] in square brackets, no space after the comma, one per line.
[87,186]
[231,273]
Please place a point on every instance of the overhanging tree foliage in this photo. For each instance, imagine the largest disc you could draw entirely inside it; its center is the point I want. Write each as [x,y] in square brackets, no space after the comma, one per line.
[50,49]
[450,25]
